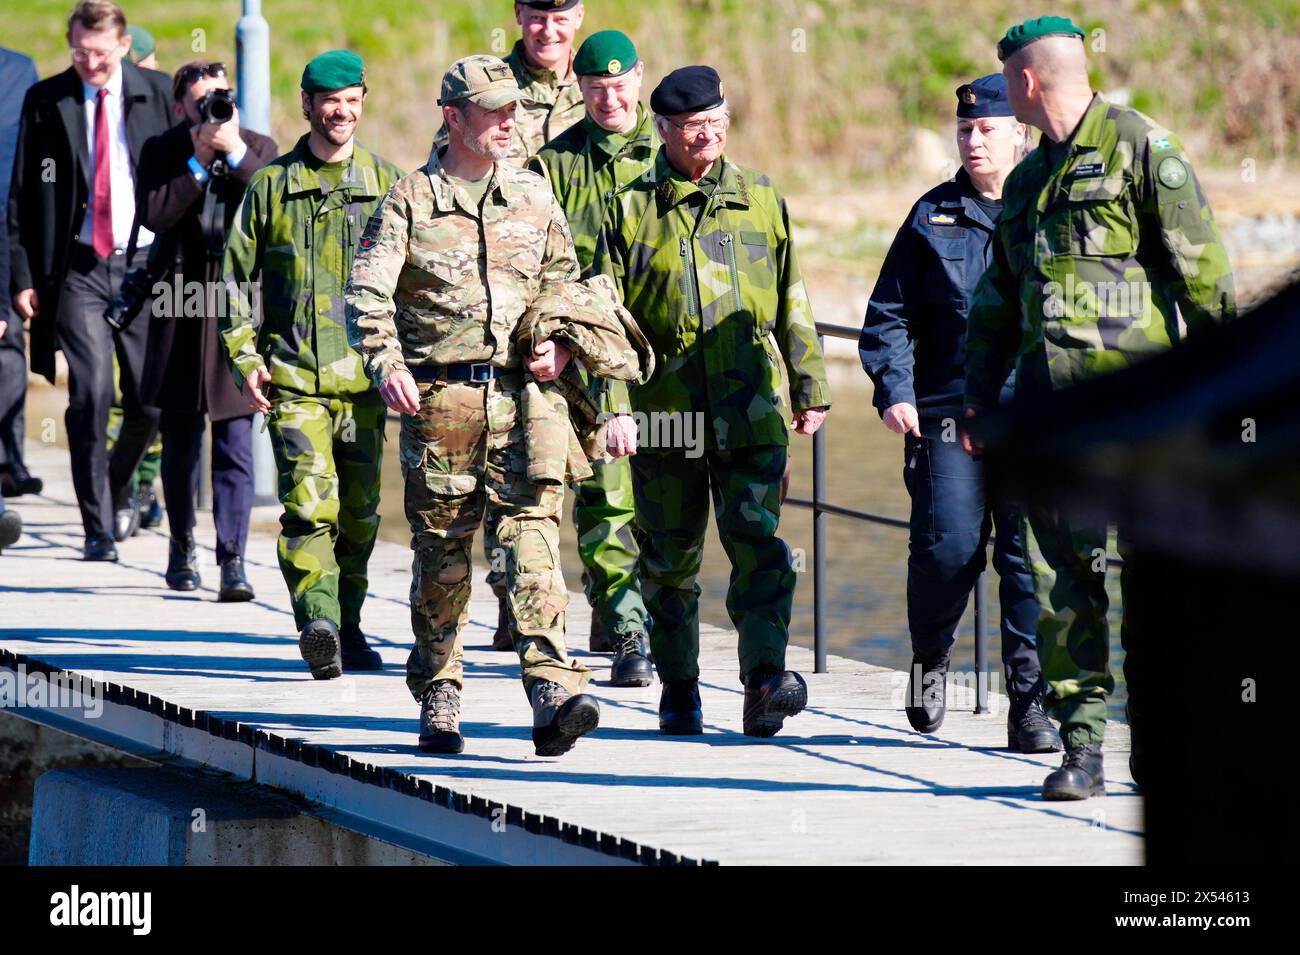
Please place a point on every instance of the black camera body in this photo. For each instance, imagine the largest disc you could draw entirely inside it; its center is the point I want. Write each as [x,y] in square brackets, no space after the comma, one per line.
[217,106]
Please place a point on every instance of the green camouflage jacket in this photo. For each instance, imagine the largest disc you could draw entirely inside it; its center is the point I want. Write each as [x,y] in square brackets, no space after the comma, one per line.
[1102,244]
[299,243]
[710,294]
[434,283]
[553,104]
[586,165]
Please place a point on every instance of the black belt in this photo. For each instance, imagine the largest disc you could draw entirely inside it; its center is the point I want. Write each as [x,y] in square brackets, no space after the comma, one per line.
[477,372]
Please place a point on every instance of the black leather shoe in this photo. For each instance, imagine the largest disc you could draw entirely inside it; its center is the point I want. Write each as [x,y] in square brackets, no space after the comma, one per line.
[12,485]
[182,564]
[356,653]
[319,645]
[1028,728]
[560,718]
[151,513]
[501,639]
[680,710]
[1080,775]
[126,519]
[598,639]
[631,661]
[927,694]
[11,527]
[100,547]
[771,697]
[235,587]
[440,719]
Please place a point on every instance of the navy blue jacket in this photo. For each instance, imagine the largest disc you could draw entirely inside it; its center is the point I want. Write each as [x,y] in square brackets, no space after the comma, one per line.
[913,341]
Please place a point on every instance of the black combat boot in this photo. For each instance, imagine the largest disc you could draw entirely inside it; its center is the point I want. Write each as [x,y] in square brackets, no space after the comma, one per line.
[1028,728]
[559,718]
[356,652]
[927,693]
[319,645]
[501,639]
[440,718]
[680,710]
[631,665]
[771,695]
[182,564]
[1080,775]
[235,587]
[598,640]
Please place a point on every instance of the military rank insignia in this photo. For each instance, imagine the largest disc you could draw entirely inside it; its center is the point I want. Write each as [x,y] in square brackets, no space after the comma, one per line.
[942,218]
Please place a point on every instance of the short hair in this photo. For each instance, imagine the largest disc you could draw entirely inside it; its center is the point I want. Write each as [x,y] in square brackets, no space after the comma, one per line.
[96,15]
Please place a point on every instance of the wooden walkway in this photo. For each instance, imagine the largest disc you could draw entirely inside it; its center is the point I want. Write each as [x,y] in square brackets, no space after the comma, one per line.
[846,782]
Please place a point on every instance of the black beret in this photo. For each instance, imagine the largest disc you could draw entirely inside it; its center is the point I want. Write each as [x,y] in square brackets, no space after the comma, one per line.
[551,5]
[986,96]
[687,90]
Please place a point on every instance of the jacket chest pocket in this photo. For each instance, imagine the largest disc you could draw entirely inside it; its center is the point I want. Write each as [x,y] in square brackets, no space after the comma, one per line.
[951,270]
[1099,219]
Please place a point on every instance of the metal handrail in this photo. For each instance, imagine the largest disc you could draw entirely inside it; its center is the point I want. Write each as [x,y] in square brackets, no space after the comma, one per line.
[821,507]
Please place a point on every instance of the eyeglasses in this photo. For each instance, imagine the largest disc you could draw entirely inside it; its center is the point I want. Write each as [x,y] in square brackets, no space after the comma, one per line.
[81,54]
[693,127]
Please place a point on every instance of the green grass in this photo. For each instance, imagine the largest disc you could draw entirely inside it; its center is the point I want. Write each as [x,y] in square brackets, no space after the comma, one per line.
[823,90]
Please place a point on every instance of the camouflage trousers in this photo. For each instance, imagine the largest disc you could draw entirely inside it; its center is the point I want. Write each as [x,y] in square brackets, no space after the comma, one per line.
[328,452]
[463,464]
[672,512]
[1067,563]
[151,463]
[603,514]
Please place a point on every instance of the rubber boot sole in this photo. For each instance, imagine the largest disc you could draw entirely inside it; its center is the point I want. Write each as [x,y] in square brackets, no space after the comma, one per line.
[1070,793]
[1046,743]
[577,717]
[768,718]
[320,649]
[442,742]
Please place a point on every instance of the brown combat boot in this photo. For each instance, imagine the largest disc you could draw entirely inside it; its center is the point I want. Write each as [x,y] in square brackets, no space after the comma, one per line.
[559,718]
[440,718]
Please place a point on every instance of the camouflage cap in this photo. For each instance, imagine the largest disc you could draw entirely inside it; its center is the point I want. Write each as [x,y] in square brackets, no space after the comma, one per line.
[1023,34]
[483,80]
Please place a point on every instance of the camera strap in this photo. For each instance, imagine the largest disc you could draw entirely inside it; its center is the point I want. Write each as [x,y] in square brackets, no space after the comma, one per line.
[212,220]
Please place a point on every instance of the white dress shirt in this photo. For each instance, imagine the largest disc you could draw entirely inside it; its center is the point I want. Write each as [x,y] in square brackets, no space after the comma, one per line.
[122,176]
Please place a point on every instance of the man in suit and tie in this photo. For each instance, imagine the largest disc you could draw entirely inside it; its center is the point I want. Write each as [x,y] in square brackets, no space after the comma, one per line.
[71,208]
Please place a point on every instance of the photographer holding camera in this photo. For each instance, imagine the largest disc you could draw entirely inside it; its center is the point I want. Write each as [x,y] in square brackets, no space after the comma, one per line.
[192,180]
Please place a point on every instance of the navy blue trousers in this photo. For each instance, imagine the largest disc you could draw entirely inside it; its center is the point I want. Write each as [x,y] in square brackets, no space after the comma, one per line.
[232,476]
[951,520]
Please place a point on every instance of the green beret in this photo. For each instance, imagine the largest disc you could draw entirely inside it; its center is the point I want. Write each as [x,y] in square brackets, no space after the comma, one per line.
[141,43]
[607,53]
[335,70]
[1023,34]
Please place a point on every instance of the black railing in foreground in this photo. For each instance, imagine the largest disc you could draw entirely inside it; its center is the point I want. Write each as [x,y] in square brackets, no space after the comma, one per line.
[822,507]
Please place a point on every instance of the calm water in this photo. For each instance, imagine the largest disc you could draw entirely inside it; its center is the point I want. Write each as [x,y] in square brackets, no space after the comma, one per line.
[866,563]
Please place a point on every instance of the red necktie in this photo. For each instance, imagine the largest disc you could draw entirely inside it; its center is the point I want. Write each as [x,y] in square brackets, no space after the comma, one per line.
[102,211]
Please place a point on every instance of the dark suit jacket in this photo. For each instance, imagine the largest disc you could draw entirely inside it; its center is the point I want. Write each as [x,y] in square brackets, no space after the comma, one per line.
[186,369]
[50,188]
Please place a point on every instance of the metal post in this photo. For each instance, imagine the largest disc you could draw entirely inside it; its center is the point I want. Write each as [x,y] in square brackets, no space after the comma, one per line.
[205,469]
[981,650]
[819,541]
[253,90]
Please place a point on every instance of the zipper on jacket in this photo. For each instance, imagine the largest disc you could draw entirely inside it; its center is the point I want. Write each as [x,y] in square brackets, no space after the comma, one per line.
[729,249]
[688,267]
